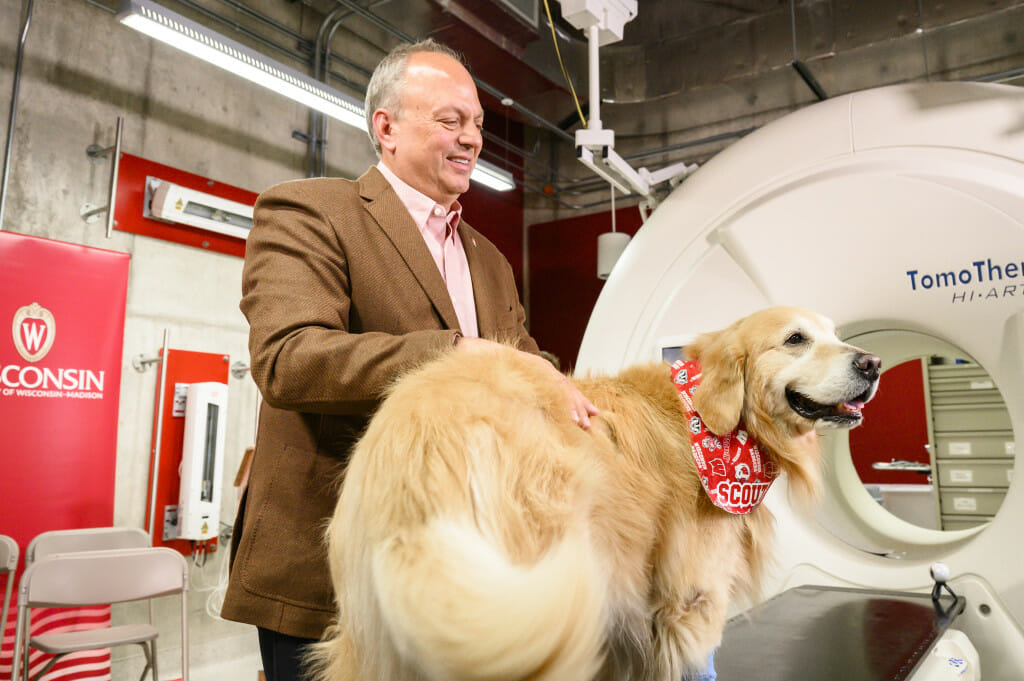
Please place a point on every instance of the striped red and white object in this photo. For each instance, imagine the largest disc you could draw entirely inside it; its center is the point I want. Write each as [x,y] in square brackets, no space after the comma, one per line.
[87,664]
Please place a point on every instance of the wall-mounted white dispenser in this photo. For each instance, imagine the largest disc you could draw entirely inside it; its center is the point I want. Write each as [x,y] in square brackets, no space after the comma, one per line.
[202,461]
[174,203]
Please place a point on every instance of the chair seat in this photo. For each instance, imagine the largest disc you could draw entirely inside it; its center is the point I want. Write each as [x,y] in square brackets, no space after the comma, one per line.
[73,641]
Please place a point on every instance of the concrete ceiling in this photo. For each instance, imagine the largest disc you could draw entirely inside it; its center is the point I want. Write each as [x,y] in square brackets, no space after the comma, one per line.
[688,77]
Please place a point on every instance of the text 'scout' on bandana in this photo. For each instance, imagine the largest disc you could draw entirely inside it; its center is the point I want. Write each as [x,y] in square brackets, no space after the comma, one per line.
[733,471]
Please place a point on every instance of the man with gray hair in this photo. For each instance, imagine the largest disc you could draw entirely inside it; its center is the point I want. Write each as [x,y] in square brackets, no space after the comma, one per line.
[347,284]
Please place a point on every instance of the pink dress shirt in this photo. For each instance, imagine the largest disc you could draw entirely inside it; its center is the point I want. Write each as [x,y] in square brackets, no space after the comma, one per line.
[440,232]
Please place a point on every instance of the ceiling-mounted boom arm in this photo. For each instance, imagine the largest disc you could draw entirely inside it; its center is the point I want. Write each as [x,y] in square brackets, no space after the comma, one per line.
[603,21]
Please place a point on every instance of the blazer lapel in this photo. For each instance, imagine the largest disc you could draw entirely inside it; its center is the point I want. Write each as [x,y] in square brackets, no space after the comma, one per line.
[485,291]
[394,220]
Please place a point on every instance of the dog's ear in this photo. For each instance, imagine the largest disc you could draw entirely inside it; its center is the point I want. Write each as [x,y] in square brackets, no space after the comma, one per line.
[719,399]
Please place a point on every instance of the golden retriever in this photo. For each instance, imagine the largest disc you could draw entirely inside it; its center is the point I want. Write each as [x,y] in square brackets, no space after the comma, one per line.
[481,534]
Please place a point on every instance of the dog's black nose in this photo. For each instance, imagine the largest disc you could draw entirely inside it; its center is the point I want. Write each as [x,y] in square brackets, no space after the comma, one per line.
[868,365]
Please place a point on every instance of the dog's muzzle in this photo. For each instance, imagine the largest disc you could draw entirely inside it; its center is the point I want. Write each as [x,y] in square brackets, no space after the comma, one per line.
[847,412]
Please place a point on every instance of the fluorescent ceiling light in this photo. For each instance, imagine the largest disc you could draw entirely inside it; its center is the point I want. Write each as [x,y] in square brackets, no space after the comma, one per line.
[492,176]
[197,40]
[188,36]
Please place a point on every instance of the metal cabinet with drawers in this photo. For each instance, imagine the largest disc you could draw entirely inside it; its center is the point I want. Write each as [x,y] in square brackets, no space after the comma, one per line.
[972,445]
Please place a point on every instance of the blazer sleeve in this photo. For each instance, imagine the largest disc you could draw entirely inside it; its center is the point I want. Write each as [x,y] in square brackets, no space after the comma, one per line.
[297,297]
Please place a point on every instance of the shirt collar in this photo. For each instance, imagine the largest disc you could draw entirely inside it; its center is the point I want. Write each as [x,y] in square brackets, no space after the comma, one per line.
[420,206]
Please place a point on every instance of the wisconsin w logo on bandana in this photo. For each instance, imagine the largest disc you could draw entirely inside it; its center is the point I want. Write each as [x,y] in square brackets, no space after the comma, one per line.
[732,470]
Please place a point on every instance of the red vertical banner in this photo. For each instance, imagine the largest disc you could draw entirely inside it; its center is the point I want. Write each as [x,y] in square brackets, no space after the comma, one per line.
[62,311]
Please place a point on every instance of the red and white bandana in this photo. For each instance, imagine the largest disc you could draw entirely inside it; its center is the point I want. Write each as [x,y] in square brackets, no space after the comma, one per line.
[732,470]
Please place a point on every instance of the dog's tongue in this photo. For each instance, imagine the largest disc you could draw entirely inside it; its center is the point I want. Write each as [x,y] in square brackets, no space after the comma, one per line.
[852,407]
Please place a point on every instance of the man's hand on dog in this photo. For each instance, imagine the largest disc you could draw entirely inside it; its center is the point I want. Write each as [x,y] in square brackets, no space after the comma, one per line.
[580,408]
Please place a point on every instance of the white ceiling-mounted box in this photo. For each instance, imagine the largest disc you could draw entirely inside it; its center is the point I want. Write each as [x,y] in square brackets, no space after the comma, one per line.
[610,16]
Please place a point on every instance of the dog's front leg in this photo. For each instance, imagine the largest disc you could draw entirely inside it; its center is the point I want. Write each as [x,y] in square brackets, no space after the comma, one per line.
[687,628]
[694,570]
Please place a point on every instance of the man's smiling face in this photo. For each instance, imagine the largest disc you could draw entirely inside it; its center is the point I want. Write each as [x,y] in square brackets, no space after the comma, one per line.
[435,139]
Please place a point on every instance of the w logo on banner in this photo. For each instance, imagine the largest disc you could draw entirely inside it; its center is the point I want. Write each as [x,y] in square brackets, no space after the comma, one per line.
[34,329]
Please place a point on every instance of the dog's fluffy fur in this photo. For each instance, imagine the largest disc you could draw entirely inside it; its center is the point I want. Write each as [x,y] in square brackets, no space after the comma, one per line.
[482,534]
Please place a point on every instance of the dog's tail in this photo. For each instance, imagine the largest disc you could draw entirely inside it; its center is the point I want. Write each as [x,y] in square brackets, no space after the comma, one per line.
[457,606]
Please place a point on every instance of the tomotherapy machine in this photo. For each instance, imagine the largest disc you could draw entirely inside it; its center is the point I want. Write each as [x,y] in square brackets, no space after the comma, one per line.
[899,213]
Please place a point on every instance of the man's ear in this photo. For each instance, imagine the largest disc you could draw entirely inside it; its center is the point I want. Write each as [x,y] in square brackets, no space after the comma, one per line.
[384,129]
[719,398]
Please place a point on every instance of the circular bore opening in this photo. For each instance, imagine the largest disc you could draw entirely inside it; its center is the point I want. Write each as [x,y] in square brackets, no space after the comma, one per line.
[932,462]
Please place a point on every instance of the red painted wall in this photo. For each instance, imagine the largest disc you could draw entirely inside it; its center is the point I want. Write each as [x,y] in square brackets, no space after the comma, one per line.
[499,217]
[895,427]
[563,277]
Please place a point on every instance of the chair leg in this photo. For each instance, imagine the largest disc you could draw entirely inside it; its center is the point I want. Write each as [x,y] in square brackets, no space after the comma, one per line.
[26,634]
[7,602]
[148,657]
[49,665]
[16,651]
[152,645]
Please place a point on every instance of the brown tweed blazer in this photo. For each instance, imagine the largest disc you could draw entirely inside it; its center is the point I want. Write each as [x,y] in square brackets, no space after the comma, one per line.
[341,295]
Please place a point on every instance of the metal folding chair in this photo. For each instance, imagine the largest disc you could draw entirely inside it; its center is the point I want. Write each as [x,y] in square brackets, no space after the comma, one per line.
[85,539]
[8,565]
[53,542]
[95,578]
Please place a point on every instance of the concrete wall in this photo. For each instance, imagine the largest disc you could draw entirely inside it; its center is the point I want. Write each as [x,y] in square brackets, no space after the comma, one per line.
[82,69]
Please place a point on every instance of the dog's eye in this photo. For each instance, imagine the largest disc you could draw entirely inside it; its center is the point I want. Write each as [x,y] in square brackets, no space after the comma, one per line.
[796,338]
